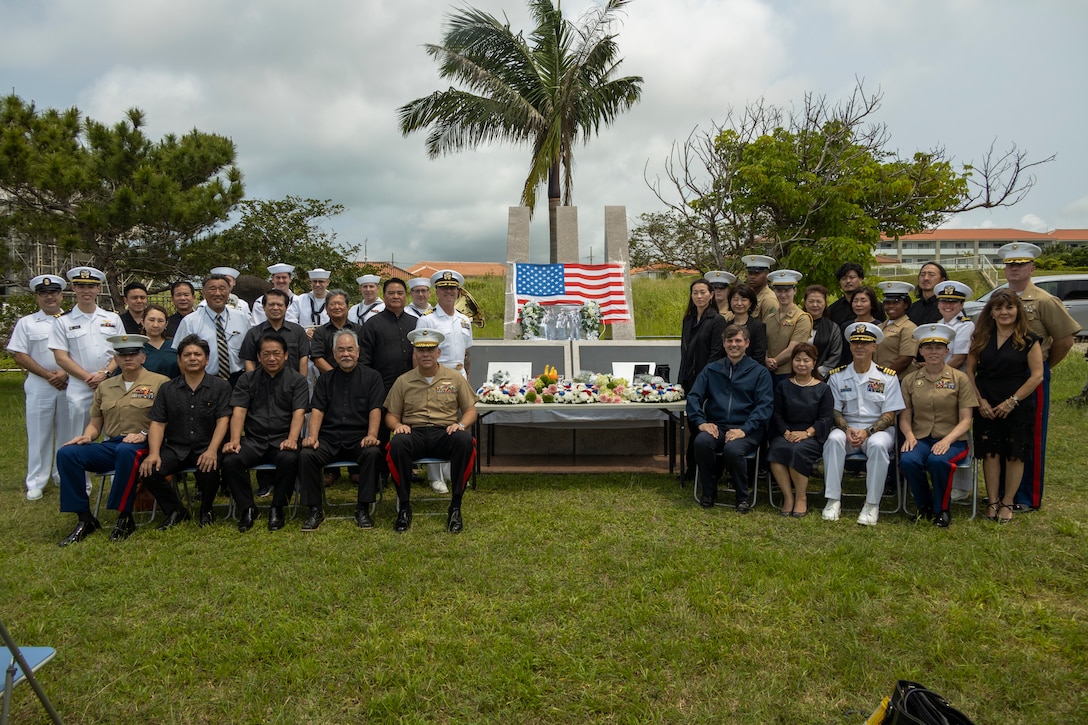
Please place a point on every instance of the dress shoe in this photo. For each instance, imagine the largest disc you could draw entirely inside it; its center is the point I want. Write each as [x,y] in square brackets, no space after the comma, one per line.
[707,502]
[870,512]
[744,507]
[832,509]
[404,519]
[439,487]
[275,518]
[175,518]
[924,514]
[34,495]
[123,528]
[249,517]
[363,520]
[313,521]
[264,491]
[82,530]
[454,525]
[942,520]
[206,518]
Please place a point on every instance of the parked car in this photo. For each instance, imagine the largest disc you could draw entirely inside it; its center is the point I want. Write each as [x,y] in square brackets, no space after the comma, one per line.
[1071,289]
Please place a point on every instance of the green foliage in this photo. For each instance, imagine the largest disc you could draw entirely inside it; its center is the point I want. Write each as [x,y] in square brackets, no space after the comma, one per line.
[14,307]
[130,204]
[548,90]
[271,231]
[1057,256]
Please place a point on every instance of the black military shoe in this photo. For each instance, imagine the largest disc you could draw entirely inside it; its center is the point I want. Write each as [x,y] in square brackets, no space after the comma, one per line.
[454,525]
[744,507]
[313,521]
[363,520]
[175,518]
[206,518]
[275,518]
[82,530]
[123,528]
[404,519]
[942,520]
[249,517]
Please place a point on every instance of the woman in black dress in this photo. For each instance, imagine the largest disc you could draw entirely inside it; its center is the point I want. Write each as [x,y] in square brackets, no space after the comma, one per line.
[700,343]
[803,410]
[742,300]
[1005,365]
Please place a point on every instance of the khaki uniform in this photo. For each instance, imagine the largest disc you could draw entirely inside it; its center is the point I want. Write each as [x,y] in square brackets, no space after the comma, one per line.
[784,328]
[936,402]
[437,403]
[897,341]
[126,411]
[1047,316]
[767,305]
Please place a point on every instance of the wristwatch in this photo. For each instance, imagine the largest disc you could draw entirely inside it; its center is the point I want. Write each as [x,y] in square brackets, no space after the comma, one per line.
[870,430]
[460,425]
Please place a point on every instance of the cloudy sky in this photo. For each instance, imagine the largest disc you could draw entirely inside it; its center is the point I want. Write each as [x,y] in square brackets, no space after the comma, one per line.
[308,92]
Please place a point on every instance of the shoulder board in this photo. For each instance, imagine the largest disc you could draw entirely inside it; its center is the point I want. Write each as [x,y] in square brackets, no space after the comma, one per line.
[428,312]
[66,312]
[839,369]
[963,318]
[886,371]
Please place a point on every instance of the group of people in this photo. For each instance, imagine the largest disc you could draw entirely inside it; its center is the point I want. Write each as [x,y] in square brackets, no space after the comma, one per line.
[874,377]
[288,386]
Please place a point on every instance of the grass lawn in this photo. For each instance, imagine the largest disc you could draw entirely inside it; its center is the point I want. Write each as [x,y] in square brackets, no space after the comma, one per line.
[567,599]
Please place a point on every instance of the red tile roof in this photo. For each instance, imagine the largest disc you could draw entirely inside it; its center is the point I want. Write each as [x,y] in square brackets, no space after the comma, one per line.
[468,269]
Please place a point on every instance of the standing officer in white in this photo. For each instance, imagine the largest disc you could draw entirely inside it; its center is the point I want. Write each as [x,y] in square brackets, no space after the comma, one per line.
[80,345]
[46,400]
[420,289]
[308,309]
[372,304]
[281,280]
[454,348]
[867,399]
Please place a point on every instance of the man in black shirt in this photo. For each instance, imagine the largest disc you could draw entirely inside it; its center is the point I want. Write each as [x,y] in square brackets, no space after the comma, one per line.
[136,302]
[345,419]
[383,343]
[321,354]
[924,310]
[188,426]
[183,297]
[269,406]
[298,342]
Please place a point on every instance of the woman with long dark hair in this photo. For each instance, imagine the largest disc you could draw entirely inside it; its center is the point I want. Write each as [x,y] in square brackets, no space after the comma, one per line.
[700,343]
[1005,364]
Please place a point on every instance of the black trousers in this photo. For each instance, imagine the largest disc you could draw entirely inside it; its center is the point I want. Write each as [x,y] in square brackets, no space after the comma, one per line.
[312,461]
[459,448]
[167,494]
[236,473]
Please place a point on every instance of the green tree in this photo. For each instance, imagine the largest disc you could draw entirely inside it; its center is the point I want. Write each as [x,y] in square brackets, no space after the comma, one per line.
[128,205]
[548,90]
[282,230]
[814,188]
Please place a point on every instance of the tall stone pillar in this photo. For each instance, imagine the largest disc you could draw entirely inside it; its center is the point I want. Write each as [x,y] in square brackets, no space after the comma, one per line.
[566,227]
[617,251]
[517,250]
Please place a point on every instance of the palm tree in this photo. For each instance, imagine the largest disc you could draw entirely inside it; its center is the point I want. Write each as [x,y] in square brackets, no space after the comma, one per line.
[547,90]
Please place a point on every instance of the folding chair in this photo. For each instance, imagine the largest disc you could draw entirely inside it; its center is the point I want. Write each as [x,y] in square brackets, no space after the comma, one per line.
[232,510]
[964,479]
[855,464]
[753,482]
[105,481]
[21,664]
[354,502]
[427,499]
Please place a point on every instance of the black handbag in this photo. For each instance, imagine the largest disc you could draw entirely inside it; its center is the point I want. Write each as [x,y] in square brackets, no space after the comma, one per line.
[913,704]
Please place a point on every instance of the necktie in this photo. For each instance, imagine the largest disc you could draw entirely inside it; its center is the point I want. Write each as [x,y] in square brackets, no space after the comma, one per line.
[221,348]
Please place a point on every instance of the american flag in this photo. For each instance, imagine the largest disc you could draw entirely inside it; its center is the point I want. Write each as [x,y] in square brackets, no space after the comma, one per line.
[555,284]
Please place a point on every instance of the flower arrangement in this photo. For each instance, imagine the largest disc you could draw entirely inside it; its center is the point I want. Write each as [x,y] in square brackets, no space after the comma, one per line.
[532,317]
[550,388]
[591,320]
[610,389]
[656,392]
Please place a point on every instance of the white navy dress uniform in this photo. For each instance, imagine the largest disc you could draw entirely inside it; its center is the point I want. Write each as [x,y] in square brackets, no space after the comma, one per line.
[362,312]
[307,310]
[46,407]
[83,335]
[258,315]
[414,284]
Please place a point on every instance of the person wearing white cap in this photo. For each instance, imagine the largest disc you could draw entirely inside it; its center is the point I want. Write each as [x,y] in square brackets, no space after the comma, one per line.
[234,302]
[940,405]
[1047,318]
[720,282]
[371,304]
[308,309]
[46,401]
[757,267]
[81,348]
[120,413]
[429,410]
[455,352]
[420,289]
[281,275]
[867,399]
[950,298]
[899,347]
[788,326]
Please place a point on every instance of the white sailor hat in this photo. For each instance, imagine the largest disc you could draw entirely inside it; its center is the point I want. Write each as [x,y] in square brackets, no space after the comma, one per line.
[419,282]
[368,279]
[954,291]
[784,278]
[227,272]
[896,290]
[719,278]
[425,337]
[934,332]
[320,273]
[863,332]
[85,275]
[1018,252]
[757,261]
[447,278]
[127,343]
[281,268]
[47,283]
